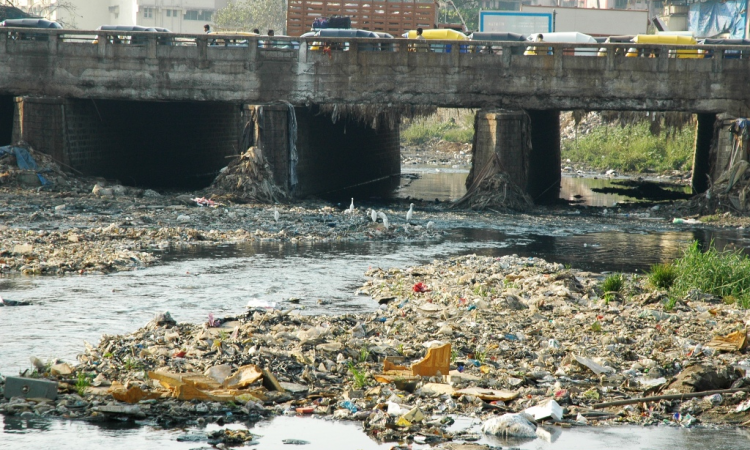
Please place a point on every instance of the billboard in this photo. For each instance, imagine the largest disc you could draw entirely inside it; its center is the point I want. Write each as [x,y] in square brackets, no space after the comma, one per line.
[596,22]
[525,23]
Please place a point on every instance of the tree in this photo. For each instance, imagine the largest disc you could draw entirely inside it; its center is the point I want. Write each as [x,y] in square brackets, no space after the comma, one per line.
[47,9]
[245,15]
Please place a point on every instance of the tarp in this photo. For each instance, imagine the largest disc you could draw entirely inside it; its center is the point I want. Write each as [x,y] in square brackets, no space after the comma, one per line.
[713,18]
[514,37]
[568,36]
[444,34]
[664,39]
[346,33]
[31,23]
[24,160]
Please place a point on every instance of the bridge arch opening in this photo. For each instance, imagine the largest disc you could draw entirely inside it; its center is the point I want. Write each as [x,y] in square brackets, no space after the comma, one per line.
[161,145]
[6,119]
[533,146]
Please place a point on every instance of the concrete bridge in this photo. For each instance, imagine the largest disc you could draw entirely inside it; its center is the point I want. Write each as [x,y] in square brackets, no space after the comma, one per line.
[98,92]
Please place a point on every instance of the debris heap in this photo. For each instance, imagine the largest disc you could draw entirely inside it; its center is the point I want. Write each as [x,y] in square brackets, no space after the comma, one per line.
[248,178]
[492,188]
[513,342]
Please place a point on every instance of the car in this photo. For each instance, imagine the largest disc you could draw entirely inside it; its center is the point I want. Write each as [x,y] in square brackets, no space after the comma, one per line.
[30,23]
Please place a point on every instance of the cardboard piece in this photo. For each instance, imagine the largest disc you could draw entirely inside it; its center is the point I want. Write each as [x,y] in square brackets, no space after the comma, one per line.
[736,341]
[438,359]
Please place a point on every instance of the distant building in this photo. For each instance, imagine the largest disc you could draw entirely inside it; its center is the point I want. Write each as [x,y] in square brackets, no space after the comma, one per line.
[180,16]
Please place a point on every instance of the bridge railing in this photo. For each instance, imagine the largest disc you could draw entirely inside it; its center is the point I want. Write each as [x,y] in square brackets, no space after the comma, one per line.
[154,44]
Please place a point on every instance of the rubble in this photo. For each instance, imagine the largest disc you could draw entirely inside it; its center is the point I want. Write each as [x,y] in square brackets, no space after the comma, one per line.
[408,370]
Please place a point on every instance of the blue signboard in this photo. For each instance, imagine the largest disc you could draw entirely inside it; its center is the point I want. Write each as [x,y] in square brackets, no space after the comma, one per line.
[514,22]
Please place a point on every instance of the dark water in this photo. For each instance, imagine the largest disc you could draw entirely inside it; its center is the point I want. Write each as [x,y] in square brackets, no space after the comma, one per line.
[192,283]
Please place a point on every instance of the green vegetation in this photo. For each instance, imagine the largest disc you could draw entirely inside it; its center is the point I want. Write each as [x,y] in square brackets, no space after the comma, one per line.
[725,274]
[662,276]
[358,376]
[439,126]
[82,383]
[244,15]
[632,148]
[132,364]
[612,285]
[364,354]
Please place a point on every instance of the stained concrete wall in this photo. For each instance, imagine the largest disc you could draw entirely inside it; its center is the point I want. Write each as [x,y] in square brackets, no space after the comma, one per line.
[7,107]
[138,143]
[528,145]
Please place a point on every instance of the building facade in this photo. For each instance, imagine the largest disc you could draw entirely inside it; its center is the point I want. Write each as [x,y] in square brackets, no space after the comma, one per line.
[179,16]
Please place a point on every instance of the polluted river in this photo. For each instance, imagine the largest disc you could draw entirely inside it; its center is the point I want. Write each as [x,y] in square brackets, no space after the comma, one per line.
[312,282]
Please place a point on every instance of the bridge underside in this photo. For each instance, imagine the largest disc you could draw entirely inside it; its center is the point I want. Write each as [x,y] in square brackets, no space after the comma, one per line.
[176,145]
[185,144]
[6,119]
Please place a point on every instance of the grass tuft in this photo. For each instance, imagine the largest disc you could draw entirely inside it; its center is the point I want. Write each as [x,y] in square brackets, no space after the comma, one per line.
[725,274]
[662,276]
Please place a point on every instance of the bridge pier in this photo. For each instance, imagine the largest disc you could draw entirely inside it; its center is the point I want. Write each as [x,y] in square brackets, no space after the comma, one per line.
[330,156]
[527,144]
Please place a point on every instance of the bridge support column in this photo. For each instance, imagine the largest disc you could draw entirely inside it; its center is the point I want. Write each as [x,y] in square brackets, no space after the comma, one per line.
[527,144]
[331,156]
[704,135]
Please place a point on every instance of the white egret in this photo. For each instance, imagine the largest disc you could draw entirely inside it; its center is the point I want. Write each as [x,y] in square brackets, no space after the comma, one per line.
[374,215]
[351,208]
[385,219]
[410,213]
[275,214]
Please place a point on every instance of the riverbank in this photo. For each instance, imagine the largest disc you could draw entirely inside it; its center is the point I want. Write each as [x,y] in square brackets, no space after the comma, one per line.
[521,332]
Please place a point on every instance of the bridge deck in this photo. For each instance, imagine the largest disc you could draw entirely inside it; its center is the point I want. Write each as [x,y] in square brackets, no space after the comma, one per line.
[174,67]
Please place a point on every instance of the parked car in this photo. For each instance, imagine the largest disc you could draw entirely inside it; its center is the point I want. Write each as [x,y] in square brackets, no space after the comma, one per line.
[30,23]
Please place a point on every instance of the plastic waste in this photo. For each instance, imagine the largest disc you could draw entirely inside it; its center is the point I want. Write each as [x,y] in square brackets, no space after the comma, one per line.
[348,404]
[510,425]
[551,409]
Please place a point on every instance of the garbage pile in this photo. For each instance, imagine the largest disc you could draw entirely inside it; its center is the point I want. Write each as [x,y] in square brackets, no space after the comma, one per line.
[22,166]
[248,178]
[729,193]
[515,343]
[492,188]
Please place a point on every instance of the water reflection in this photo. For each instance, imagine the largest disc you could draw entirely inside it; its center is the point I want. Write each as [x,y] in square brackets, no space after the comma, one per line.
[447,184]
[322,434]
